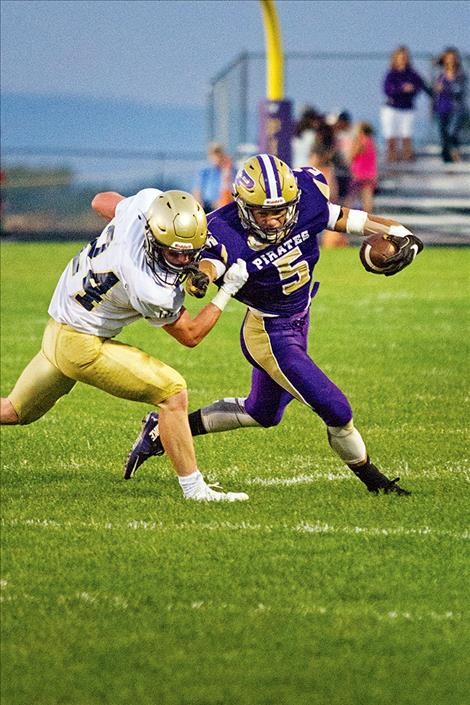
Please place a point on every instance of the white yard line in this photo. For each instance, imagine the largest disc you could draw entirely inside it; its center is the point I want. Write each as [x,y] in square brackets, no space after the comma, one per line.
[299,479]
[92,599]
[99,600]
[117,602]
[321,528]
[432,474]
[317,527]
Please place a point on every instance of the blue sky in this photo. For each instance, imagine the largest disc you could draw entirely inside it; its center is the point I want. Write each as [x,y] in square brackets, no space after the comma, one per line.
[160,52]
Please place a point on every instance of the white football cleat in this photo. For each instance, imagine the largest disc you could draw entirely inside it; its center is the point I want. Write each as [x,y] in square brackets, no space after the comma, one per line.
[206,493]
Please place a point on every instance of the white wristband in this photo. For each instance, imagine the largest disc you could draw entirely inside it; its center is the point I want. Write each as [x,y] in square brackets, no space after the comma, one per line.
[221,299]
[398,231]
[355,222]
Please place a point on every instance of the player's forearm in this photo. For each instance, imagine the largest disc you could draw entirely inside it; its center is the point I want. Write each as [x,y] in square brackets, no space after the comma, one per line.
[202,324]
[191,331]
[355,222]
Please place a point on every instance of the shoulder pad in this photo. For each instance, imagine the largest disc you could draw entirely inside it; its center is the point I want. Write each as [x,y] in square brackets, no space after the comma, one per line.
[316,177]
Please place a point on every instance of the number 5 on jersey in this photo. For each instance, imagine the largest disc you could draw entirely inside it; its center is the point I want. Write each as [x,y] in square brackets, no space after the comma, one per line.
[289,268]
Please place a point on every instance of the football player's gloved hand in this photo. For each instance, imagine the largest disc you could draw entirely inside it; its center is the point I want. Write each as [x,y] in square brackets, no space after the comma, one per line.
[197,283]
[408,247]
[235,277]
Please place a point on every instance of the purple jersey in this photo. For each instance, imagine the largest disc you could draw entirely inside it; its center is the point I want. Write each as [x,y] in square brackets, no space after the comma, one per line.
[280,275]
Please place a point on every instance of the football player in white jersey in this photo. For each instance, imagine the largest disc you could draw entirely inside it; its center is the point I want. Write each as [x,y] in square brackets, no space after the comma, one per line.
[135,269]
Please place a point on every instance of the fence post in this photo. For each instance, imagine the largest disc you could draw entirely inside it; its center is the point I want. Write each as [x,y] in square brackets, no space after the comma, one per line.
[243,134]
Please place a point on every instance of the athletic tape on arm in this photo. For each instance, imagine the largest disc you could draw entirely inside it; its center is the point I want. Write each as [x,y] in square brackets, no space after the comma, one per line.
[356,222]
[221,299]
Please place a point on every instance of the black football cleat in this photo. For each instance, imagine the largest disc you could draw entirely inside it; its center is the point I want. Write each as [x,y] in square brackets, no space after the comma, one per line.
[376,482]
[392,487]
[147,444]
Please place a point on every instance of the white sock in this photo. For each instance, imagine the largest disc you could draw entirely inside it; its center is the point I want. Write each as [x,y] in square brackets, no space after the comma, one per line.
[189,483]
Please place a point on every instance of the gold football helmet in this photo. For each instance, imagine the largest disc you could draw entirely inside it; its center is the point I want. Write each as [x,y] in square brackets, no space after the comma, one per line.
[175,233]
[267,183]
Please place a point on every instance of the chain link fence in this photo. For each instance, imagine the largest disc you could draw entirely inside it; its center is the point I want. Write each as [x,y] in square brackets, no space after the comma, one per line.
[329,81]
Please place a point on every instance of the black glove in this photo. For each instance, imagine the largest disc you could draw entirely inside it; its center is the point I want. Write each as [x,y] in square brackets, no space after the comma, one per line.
[408,247]
[197,283]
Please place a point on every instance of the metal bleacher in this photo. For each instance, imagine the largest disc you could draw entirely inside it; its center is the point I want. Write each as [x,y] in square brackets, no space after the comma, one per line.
[428,196]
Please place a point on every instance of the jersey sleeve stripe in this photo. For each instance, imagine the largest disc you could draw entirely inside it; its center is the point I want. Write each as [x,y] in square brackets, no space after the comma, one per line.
[334,211]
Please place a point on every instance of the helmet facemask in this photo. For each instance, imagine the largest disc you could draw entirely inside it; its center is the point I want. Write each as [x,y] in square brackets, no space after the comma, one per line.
[265,234]
[164,270]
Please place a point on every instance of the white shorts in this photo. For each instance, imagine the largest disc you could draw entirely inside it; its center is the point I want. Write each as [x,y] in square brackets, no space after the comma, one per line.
[397,123]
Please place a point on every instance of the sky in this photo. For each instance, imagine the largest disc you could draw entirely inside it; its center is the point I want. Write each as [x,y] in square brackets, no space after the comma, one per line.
[166,53]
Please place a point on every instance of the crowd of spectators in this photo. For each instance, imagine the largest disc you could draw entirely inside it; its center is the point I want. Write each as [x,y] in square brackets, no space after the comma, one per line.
[402,85]
[346,152]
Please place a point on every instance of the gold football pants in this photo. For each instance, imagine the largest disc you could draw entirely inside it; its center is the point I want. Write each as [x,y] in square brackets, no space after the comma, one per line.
[68,356]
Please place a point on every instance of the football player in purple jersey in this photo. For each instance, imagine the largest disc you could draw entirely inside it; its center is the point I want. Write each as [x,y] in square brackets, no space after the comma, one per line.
[273,224]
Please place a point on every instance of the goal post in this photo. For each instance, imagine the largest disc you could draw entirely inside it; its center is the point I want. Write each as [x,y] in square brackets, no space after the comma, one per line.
[275,115]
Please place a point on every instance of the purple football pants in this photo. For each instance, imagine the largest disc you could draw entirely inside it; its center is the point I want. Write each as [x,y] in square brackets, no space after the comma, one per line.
[277,350]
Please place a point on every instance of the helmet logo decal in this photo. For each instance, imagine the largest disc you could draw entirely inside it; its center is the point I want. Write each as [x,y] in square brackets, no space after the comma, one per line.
[244,179]
[274,201]
[181,245]
[271,176]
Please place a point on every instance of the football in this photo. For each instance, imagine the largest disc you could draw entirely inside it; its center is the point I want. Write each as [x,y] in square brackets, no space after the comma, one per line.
[375,251]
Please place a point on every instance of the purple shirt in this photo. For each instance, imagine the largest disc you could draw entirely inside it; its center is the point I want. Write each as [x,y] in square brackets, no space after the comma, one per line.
[452,96]
[393,88]
[280,276]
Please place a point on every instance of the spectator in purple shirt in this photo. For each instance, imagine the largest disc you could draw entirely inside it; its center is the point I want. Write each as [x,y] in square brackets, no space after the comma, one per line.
[449,102]
[401,86]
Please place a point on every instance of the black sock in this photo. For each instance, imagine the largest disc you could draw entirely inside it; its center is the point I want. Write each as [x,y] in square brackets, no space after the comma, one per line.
[374,480]
[370,476]
[195,423]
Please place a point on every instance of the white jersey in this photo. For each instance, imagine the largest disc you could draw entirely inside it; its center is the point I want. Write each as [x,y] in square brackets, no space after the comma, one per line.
[109,283]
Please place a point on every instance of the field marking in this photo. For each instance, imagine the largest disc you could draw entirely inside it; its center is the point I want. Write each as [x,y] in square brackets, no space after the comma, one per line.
[318,527]
[95,599]
[298,479]
[321,528]
[311,478]
[460,470]
[305,610]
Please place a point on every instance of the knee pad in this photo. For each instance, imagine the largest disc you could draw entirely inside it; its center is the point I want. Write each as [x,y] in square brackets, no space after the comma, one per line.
[347,442]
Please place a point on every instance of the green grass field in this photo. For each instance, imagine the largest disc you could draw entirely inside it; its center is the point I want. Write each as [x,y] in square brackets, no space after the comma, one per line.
[313,592]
